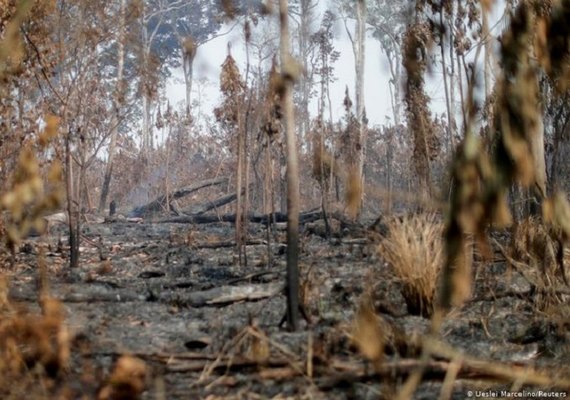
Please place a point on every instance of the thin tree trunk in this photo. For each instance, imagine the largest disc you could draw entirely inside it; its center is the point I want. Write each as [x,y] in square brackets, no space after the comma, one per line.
[268,200]
[240,240]
[359,55]
[116,114]
[462,92]
[306,19]
[389,169]
[487,54]
[445,86]
[292,174]
[537,150]
[395,89]
[561,128]
[167,173]
[243,171]
[71,206]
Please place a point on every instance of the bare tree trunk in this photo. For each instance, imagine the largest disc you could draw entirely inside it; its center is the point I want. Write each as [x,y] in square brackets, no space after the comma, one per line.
[71,206]
[446,86]
[537,149]
[462,92]
[359,58]
[240,218]
[452,79]
[395,65]
[116,115]
[487,54]
[306,17]
[560,129]
[268,208]
[167,173]
[389,169]
[292,173]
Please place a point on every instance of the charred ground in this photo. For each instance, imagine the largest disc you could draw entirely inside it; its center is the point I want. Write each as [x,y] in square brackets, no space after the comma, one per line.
[172,296]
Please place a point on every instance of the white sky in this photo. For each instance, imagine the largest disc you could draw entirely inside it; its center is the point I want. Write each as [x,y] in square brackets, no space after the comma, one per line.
[210,57]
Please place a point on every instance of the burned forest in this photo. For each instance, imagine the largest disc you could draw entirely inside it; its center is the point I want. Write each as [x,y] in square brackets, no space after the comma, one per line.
[284,199]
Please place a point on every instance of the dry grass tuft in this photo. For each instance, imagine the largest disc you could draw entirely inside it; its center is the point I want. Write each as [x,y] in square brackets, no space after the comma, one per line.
[414,248]
[539,246]
[532,243]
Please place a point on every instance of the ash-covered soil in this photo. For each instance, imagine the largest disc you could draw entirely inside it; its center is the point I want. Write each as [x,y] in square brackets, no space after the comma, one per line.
[175,296]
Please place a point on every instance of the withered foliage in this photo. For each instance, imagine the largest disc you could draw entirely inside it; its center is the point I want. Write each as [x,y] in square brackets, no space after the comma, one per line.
[232,88]
[479,198]
[127,381]
[273,112]
[33,348]
[539,251]
[32,189]
[417,42]
[519,114]
[29,198]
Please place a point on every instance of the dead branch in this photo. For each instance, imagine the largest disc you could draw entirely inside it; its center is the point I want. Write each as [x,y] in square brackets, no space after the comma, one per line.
[210,205]
[227,243]
[223,295]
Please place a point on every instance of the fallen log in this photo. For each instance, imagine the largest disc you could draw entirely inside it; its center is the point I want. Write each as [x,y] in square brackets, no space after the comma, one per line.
[222,295]
[86,295]
[159,203]
[305,217]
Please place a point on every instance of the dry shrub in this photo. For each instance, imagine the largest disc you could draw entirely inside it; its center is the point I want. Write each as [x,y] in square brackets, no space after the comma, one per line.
[34,349]
[32,193]
[414,248]
[539,247]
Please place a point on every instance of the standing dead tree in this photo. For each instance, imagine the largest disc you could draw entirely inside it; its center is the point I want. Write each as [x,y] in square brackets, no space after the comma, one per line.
[289,73]
[231,116]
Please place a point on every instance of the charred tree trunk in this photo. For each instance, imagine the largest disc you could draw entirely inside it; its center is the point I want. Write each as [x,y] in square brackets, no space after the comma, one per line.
[288,75]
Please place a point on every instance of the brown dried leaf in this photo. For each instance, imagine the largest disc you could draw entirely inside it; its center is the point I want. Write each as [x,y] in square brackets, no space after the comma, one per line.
[487,5]
[127,381]
[50,131]
[367,333]
[556,211]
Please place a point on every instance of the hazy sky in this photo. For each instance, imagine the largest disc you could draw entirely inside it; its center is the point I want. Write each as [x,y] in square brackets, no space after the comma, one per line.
[210,57]
[377,96]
